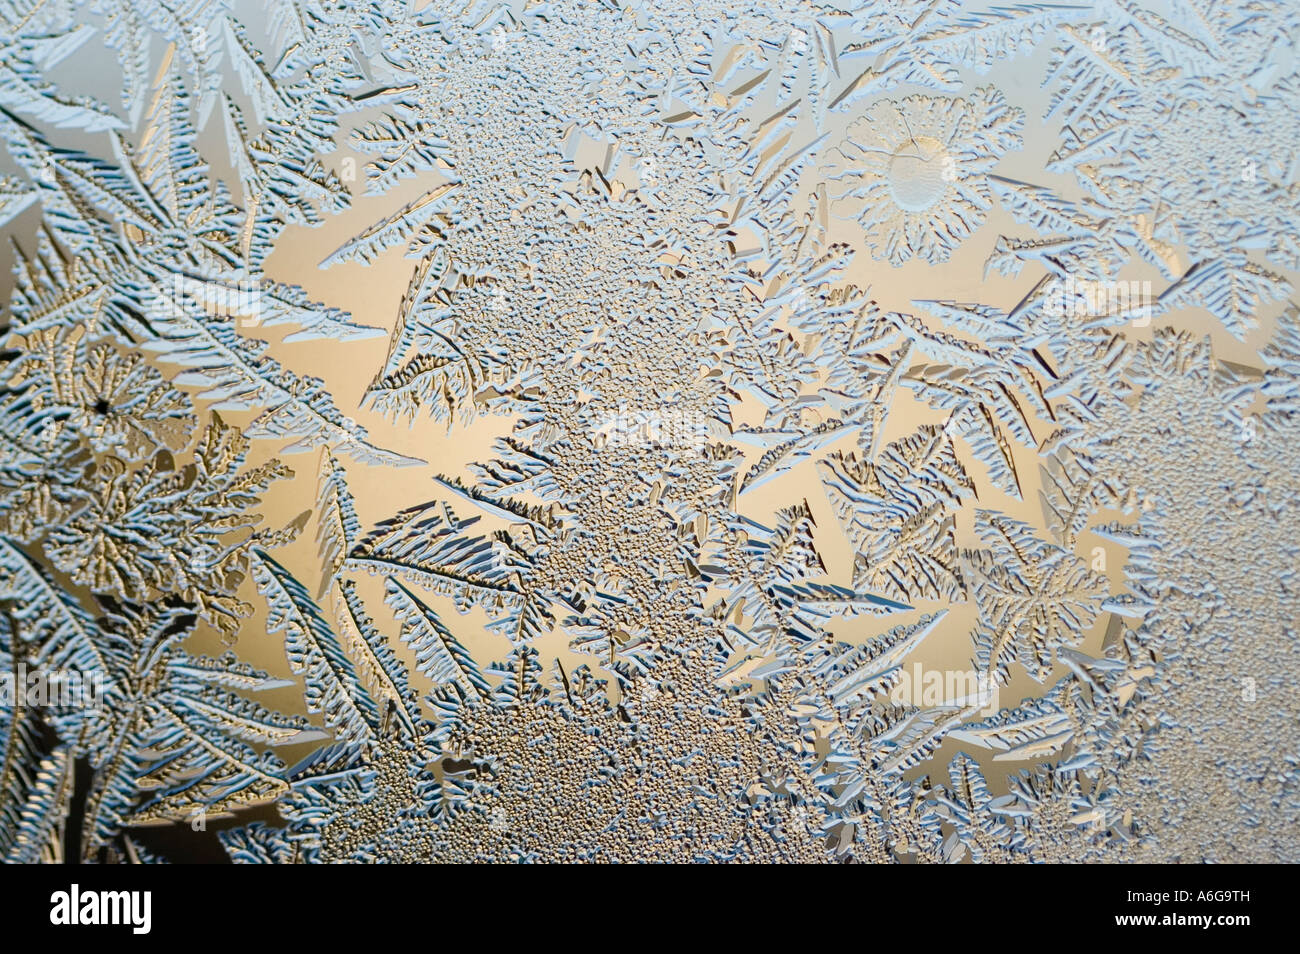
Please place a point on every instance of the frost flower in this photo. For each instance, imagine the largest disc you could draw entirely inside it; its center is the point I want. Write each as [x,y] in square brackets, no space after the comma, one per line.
[915,171]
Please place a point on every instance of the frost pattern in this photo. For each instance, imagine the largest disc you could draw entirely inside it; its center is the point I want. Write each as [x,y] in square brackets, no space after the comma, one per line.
[761,450]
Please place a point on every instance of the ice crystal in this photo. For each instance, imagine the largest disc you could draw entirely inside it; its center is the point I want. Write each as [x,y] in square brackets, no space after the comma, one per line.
[827,446]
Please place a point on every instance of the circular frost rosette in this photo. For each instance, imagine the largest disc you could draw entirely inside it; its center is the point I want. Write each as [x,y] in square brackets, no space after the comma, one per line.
[124,407]
[914,171]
